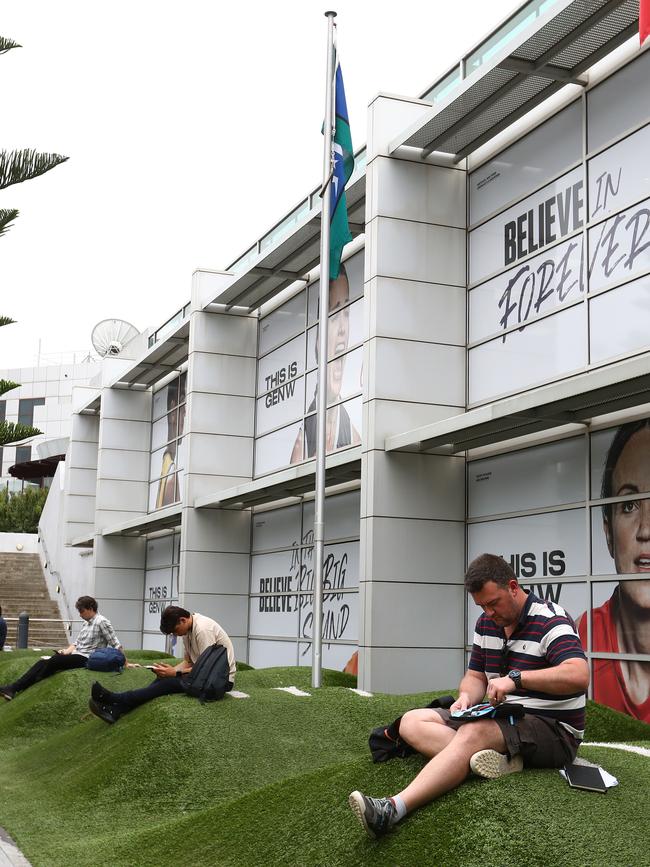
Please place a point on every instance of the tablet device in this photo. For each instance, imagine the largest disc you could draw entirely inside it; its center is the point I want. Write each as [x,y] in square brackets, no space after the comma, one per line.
[585,777]
[476,711]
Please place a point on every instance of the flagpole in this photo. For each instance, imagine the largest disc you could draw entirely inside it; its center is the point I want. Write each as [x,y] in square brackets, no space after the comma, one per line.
[321,404]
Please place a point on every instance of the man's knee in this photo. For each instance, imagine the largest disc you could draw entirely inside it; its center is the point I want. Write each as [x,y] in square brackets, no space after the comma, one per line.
[479,735]
[413,721]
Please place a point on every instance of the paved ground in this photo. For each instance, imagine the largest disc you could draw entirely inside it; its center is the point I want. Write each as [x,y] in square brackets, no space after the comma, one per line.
[10,855]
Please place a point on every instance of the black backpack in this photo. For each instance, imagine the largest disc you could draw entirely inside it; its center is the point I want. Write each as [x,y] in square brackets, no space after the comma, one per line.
[210,675]
[385,742]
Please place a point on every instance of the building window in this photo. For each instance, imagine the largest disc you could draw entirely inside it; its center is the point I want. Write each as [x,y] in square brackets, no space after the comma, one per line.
[26,409]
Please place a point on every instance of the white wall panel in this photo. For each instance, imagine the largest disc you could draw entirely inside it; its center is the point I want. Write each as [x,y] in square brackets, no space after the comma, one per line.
[418,311]
[227,333]
[414,371]
[527,164]
[221,413]
[619,102]
[213,454]
[416,486]
[131,435]
[545,350]
[420,192]
[532,224]
[620,320]
[418,615]
[416,550]
[547,475]
[417,251]
[223,374]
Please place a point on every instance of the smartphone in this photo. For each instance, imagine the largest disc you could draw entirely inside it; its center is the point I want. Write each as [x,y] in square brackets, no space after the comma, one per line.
[585,777]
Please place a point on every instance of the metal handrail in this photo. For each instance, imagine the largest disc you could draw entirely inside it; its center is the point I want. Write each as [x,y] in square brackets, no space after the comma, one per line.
[53,573]
[45,620]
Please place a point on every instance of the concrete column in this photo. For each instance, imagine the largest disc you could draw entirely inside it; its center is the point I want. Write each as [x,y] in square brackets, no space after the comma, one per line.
[122,492]
[412,505]
[215,543]
[81,477]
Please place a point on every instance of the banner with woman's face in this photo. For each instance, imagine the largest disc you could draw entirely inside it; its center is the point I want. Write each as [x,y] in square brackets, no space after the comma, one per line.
[167,461]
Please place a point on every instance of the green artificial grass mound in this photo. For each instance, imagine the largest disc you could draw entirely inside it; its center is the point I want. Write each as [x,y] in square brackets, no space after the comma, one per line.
[264,781]
[605,724]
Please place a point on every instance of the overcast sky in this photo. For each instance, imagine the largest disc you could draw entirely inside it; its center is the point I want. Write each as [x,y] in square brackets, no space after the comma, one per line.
[191,129]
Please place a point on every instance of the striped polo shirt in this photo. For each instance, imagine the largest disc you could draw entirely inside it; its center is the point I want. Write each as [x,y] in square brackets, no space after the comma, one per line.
[544,636]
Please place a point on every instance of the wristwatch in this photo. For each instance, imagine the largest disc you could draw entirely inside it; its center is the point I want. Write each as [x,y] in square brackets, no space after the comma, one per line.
[515,676]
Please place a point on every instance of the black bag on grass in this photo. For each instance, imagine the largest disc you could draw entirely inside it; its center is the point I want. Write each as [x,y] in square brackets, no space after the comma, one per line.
[385,742]
[210,675]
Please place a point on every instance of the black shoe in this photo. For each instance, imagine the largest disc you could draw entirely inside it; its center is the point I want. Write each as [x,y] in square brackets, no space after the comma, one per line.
[7,692]
[108,712]
[100,694]
[377,815]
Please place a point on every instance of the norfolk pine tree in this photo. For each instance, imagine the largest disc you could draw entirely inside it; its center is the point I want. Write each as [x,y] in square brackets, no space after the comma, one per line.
[16,167]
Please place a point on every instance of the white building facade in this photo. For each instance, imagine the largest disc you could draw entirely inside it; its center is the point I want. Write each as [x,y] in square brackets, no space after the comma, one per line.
[487,341]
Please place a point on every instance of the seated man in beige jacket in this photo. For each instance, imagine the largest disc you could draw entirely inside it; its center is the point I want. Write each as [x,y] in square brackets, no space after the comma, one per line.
[198,633]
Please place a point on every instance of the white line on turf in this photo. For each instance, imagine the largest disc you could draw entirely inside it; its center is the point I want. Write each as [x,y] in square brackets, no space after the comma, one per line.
[293,690]
[234,693]
[628,748]
[361,692]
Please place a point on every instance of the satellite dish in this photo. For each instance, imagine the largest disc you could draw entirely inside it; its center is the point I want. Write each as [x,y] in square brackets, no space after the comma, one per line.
[110,336]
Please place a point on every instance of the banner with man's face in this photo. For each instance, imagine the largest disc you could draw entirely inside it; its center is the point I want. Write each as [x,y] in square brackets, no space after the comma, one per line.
[285,416]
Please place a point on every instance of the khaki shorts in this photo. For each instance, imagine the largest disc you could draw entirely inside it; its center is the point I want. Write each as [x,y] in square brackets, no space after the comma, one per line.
[541,742]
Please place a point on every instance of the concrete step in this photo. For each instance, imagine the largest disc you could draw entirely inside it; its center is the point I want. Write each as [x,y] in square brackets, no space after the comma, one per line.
[23,588]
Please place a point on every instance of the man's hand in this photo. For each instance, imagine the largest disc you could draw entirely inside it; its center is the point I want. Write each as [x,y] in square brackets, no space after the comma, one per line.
[499,688]
[461,703]
[161,669]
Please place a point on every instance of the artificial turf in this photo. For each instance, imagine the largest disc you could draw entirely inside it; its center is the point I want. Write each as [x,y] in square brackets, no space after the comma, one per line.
[264,781]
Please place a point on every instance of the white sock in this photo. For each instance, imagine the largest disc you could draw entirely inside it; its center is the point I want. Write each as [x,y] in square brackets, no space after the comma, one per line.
[400,807]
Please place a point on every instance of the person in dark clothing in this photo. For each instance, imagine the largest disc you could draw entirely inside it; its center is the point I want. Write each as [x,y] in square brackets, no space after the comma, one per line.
[3,630]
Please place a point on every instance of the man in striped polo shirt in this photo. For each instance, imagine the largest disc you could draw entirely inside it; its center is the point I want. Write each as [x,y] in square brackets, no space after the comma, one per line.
[525,651]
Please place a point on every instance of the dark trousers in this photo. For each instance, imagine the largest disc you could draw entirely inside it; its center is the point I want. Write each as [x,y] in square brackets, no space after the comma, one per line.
[47,667]
[126,701]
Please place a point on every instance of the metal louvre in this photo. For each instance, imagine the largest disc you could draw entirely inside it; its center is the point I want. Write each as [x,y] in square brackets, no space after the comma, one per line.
[292,258]
[285,484]
[574,401]
[527,90]
[163,519]
[160,360]
[563,46]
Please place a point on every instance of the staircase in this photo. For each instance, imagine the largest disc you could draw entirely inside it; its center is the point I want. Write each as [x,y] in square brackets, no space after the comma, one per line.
[23,588]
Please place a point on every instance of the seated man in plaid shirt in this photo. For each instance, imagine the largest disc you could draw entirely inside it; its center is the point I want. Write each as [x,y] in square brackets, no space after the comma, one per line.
[97,632]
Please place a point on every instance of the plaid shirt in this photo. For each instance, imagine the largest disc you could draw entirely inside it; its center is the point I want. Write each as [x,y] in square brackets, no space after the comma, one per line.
[97,632]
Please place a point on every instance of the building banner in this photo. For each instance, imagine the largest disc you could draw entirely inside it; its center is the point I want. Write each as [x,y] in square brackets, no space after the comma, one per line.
[552,545]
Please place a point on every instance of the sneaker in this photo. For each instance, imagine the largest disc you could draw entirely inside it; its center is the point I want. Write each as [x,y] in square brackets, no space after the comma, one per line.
[7,692]
[377,815]
[491,764]
[109,713]
[100,694]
